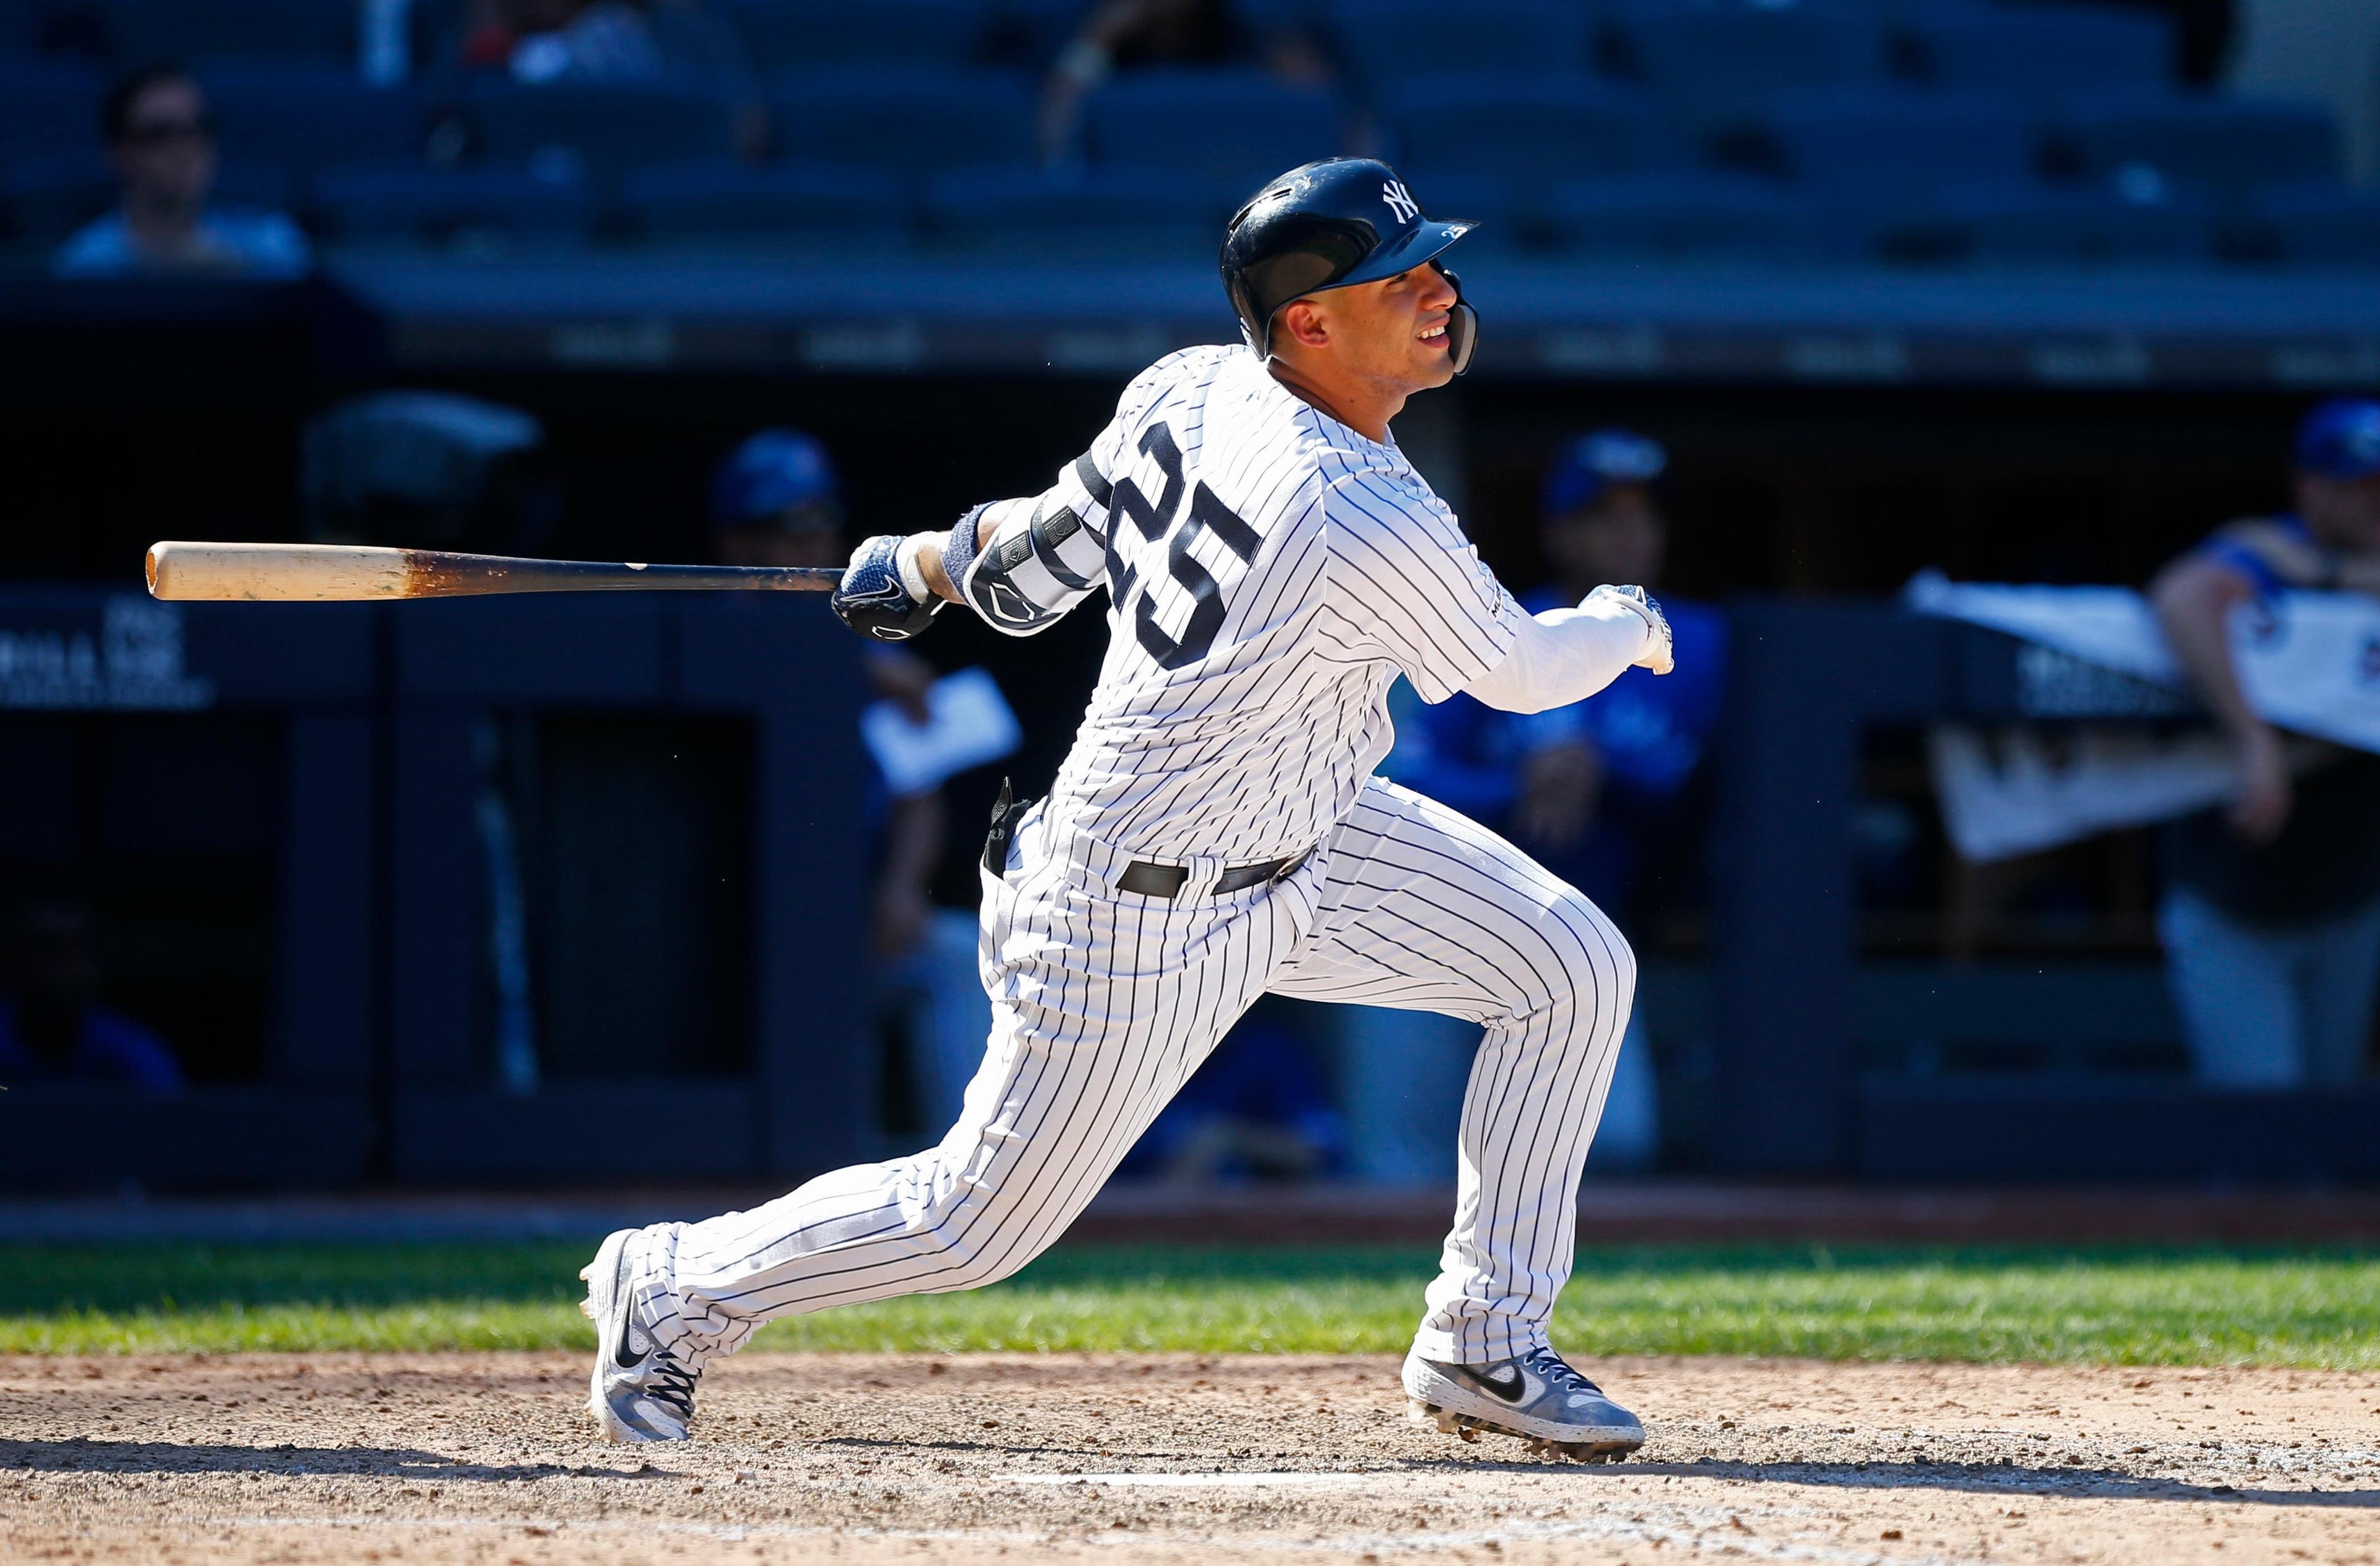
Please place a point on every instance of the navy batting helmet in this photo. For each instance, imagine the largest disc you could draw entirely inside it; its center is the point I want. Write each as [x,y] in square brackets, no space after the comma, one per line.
[1331,224]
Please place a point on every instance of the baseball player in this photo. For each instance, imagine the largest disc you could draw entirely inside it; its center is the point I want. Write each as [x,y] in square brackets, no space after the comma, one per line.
[1272,563]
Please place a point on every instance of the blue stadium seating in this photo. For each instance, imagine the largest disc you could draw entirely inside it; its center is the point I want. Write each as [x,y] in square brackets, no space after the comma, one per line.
[1715,67]
[2320,222]
[2041,49]
[308,116]
[47,107]
[1880,151]
[1237,127]
[2027,221]
[918,118]
[142,30]
[1532,129]
[800,34]
[1388,43]
[1106,209]
[609,127]
[721,197]
[1682,215]
[413,201]
[2228,144]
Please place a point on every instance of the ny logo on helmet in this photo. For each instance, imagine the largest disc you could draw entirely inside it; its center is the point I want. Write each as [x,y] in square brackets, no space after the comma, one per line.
[1405,206]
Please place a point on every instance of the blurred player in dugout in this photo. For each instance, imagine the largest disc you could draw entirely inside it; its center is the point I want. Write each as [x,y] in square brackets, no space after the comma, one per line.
[2271,917]
[1591,789]
[775,501]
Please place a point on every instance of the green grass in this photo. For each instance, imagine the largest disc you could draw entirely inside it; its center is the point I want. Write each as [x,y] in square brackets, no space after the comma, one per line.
[2313,1308]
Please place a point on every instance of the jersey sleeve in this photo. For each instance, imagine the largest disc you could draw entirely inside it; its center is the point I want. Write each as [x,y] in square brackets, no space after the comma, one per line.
[1404,584]
[1048,554]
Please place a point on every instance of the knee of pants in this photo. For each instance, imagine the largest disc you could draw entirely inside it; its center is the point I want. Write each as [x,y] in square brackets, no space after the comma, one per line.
[983,1233]
[1575,969]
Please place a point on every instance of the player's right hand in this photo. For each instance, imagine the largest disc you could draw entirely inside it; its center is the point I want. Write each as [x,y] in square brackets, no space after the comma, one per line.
[873,600]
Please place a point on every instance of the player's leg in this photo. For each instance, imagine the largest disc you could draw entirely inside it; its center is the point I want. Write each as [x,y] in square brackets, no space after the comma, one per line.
[1419,907]
[1104,1005]
[2238,998]
[2337,988]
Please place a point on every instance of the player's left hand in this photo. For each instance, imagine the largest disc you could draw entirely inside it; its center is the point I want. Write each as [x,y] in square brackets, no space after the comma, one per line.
[873,597]
[1659,655]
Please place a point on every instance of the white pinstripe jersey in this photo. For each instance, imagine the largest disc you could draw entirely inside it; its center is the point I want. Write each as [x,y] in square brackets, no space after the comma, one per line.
[1269,573]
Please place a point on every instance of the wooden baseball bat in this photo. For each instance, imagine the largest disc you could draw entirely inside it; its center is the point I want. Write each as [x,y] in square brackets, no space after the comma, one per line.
[348,573]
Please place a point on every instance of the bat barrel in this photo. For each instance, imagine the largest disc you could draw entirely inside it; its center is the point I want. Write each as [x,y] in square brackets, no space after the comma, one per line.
[352,572]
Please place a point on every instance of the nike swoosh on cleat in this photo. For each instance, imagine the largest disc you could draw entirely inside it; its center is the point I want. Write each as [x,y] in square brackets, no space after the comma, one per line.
[1509,1387]
[620,1354]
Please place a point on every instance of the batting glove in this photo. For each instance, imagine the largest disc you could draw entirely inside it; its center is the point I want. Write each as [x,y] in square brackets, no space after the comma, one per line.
[1659,655]
[877,599]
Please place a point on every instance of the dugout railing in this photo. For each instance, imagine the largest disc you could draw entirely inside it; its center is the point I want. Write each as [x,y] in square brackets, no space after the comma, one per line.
[1809,681]
[374,954]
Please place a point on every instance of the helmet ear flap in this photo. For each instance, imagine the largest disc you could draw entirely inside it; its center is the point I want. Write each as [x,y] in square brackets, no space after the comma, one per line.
[1462,335]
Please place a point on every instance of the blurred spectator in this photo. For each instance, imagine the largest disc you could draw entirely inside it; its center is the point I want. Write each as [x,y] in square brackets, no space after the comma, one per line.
[52,1029]
[1127,34]
[161,138]
[614,41]
[775,501]
[1586,789]
[1258,1109]
[2270,917]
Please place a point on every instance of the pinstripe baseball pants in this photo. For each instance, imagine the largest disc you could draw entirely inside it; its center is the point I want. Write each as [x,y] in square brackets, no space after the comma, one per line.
[1104,1002]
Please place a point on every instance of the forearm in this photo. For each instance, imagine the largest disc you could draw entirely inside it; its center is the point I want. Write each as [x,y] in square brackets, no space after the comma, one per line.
[1566,655]
[2193,608]
[931,551]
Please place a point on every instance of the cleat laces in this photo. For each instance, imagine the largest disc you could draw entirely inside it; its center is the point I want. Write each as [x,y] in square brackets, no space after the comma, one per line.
[668,1382]
[1558,1372]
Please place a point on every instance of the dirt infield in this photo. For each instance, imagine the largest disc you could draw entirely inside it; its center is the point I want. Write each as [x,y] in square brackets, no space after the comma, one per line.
[487,1459]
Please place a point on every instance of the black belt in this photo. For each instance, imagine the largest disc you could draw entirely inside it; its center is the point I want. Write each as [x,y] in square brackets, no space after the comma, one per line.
[1167,881]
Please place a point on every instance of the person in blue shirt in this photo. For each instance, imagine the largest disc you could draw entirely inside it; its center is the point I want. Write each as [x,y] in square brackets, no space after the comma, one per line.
[52,1027]
[2271,911]
[1588,788]
[161,137]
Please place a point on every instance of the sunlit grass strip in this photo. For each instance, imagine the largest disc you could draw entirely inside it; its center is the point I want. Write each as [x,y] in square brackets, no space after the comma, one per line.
[2305,1309]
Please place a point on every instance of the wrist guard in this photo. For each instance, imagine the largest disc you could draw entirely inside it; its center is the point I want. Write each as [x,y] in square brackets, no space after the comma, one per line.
[871,598]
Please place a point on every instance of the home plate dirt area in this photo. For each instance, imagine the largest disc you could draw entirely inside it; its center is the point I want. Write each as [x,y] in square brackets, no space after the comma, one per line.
[490,1458]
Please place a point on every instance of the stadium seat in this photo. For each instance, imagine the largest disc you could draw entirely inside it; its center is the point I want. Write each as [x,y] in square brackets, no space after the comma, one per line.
[2319,224]
[1882,151]
[140,30]
[1236,127]
[803,34]
[721,197]
[1533,128]
[48,197]
[1713,68]
[915,118]
[1104,210]
[1682,215]
[308,116]
[411,201]
[2228,144]
[1389,43]
[609,127]
[2027,221]
[47,108]
[2040,49]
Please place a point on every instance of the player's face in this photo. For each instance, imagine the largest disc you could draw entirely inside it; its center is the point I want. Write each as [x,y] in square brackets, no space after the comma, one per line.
[1624,538]
[2342,514]
[1393,334]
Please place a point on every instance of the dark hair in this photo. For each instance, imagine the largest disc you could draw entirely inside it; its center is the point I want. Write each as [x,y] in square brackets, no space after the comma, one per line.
[116,109]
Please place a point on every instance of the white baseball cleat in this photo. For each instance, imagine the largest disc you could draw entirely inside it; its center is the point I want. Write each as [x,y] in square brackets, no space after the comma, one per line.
[1536,1397]
[641,1390]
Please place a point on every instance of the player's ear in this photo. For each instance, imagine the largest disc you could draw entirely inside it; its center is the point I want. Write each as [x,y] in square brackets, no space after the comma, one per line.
[1301,321]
